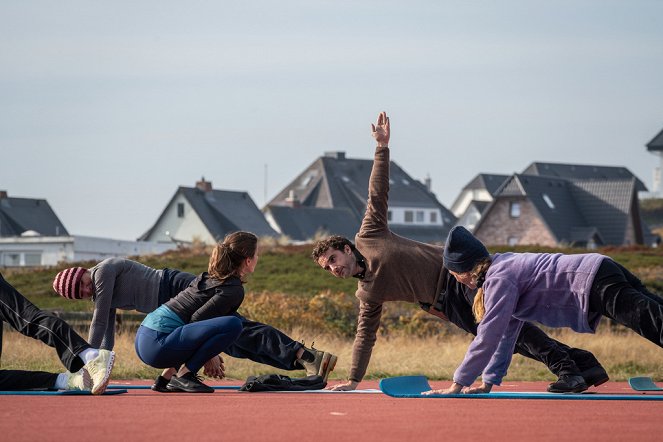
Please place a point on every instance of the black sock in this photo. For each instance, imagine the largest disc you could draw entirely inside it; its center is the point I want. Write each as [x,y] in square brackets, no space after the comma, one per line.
[308,356]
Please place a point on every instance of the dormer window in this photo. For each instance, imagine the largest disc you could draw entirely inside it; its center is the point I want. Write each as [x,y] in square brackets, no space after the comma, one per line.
[548,201]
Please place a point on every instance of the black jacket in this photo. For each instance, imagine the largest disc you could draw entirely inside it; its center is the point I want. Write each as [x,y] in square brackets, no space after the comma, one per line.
[207,298]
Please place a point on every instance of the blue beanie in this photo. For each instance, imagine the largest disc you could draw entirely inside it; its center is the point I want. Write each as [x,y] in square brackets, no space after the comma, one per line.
[462,250]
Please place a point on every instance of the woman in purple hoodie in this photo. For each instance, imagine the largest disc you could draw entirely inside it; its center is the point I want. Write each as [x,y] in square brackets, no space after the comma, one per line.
[556,290]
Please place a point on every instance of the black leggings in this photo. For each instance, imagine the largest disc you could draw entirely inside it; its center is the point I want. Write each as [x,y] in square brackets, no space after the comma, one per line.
[621,296]
[30,321]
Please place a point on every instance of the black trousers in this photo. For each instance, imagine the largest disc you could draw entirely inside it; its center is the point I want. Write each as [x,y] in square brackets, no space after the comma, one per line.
[258,342]
[621,296]
[28,320]
[456,304]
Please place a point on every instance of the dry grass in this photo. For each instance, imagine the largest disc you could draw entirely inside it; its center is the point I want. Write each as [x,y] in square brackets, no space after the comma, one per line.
[623,353]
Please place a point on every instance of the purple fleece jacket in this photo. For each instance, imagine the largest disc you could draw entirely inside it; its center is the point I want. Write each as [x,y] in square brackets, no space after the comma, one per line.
[552,289]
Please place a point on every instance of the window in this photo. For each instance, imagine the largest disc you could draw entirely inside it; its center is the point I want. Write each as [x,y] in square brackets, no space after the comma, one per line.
[548,201]
[32,259]
[433,217]
[11,259]
[389,215]
[420,216]
[514,210]
[512,241]
[180,210]
[409,216]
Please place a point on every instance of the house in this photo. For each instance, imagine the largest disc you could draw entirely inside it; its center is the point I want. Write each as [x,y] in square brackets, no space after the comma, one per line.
[475,197]
[28,216]
[330,195]
[573,206]
[204,214]
[32,235]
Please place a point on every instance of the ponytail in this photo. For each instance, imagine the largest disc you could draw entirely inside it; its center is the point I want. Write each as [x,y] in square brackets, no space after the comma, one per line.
[228,256]
[479,272]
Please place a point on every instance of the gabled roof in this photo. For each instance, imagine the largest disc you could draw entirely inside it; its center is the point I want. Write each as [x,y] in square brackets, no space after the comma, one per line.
[656,144]
[334,181]
[488,181]
[18,215]
[304,223]
[583,172]
[224,211]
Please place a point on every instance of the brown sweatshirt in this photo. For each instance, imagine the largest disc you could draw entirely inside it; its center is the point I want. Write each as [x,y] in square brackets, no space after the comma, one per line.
[397,268]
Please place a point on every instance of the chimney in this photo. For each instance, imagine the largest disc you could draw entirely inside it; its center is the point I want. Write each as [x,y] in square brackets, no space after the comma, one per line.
[428,182]
[203,185]
[291,200]
[3,194]
[339,155]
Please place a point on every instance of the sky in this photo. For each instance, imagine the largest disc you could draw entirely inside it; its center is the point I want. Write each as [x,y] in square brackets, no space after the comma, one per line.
[107,107]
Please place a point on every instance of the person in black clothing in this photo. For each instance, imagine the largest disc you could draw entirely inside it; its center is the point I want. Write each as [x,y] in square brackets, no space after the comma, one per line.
[191,329]
[89,368]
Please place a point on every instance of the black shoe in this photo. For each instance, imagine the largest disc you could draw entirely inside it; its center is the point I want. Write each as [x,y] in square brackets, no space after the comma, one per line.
[568,383]
[188,383]
[595,376]
[160,385]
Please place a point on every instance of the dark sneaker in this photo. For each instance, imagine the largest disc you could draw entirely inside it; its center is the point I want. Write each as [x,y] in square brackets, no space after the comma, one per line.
[323,363]
[595,376]
[160,385]
[568,383]
[188,383]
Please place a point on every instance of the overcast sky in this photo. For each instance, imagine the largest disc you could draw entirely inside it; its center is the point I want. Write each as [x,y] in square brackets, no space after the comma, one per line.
[107,107]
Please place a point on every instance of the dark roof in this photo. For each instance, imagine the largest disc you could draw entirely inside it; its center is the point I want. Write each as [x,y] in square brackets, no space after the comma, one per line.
[578,210]
[18,215]
[488,181]
[305,223]
[608,205]
[656,144]
[222,212]
[334,181]
[582,171]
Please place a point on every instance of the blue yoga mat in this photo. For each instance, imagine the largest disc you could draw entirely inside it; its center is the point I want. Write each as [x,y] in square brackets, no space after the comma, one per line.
[58,392]
[413,386]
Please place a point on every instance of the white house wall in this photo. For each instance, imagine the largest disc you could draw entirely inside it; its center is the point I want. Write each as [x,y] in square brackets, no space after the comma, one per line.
[172,228]
[398,216]
[52,250]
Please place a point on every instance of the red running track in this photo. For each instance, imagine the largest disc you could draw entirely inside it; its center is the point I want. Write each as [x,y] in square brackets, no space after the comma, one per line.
[227,415]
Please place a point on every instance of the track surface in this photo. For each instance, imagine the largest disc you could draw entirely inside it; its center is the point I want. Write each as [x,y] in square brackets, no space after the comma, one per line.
[238,416]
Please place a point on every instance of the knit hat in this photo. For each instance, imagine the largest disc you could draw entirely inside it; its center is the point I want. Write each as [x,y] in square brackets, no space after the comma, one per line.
[67,283]
[462,250]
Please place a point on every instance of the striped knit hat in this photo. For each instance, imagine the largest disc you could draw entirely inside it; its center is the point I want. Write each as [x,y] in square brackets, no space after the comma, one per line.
[67,283]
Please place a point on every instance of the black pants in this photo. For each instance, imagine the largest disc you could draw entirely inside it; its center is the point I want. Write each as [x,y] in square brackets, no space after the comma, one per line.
[27,319]
[258,342]
[533,343]
[621,296]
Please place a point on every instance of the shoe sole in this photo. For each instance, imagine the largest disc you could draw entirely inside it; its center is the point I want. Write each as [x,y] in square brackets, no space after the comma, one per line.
[104,383]
[327,366]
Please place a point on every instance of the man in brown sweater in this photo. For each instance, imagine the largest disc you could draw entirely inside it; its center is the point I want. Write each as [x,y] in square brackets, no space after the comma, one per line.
[392,268]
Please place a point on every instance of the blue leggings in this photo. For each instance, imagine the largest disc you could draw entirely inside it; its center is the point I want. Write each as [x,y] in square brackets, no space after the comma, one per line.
[191,344]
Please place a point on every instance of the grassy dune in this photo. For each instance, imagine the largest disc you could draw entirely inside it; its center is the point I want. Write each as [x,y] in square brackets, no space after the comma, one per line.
[623,353]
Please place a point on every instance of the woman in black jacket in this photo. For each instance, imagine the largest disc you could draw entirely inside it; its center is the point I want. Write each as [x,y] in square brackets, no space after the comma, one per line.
[191,329]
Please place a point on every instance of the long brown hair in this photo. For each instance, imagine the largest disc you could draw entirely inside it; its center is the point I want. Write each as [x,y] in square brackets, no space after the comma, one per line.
[227,257]
[479,273]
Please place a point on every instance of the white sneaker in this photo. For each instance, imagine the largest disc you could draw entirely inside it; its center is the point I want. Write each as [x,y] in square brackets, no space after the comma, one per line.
[79,381]
[99,370]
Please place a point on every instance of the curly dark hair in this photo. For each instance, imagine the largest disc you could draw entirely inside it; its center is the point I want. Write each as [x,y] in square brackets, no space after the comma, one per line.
[336,242]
